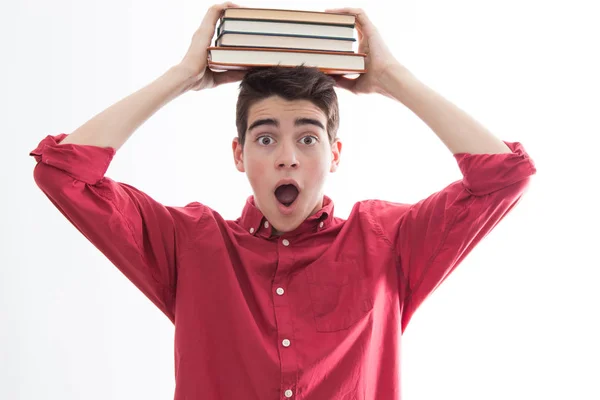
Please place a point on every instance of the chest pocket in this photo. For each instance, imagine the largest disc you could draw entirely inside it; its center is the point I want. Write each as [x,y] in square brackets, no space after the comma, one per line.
[338,294]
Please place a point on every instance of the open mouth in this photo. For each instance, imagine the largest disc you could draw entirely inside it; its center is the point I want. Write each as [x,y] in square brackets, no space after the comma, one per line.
[286,194]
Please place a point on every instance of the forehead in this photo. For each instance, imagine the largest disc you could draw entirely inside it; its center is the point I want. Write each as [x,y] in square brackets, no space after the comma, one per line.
[276,106]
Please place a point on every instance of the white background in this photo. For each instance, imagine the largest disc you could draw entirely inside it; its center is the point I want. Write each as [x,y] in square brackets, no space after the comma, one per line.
[518,319]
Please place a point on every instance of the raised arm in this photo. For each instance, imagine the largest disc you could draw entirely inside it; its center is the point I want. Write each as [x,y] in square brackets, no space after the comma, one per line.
[137,233]
[113,126]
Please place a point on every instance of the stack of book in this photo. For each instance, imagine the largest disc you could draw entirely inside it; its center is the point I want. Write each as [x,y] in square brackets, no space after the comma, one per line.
[263,37]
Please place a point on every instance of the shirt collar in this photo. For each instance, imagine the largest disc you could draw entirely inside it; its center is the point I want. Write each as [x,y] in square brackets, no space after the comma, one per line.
[253,220]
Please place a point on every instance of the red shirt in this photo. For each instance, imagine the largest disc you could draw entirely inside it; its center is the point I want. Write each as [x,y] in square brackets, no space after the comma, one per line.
[314,314]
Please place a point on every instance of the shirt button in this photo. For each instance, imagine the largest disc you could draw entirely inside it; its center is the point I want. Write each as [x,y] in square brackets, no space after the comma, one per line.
[285,242]
[321,224]
[280,291]
[251,230]
[266,224]
[288,393]
[286,343]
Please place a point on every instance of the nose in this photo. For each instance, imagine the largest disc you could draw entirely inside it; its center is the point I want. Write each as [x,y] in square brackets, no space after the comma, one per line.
[287,157]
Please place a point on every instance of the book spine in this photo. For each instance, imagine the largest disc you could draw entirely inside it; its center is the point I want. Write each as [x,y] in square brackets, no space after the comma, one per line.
[287,35]
[287,21]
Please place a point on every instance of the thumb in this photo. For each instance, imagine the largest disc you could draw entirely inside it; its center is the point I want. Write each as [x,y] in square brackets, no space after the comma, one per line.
[343,82]
[221,78]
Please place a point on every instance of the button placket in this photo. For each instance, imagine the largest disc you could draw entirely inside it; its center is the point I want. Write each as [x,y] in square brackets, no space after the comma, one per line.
[283,317]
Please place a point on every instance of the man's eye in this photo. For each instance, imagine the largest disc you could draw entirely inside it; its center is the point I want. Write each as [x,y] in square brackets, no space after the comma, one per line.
[264,140]
[309,140]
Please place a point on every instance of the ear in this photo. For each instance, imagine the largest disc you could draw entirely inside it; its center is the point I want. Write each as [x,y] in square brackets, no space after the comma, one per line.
[238,154]
[336,150]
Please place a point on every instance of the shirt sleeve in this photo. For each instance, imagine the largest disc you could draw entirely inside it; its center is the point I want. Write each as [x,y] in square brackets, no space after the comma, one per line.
[433,236]
[135,232]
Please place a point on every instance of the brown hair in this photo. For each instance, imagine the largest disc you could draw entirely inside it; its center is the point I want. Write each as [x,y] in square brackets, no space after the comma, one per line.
[290,83]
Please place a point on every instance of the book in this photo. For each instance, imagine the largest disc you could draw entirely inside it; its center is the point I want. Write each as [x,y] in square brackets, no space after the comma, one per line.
[267,14]
[237,50]
[291,28]
[242,58]
[239,39]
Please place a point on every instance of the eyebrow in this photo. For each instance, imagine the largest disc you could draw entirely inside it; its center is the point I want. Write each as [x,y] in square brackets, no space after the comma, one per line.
[275,122]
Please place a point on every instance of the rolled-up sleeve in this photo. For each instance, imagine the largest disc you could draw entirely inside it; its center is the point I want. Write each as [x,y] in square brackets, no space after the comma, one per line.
[135,232]
[433,236]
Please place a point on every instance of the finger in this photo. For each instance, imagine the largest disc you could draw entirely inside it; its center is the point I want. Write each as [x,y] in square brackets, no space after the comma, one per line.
[361,15]
[213,15]
[362,20]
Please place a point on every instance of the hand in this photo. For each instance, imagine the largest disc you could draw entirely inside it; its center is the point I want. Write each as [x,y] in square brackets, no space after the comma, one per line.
[196,59]
[378,57]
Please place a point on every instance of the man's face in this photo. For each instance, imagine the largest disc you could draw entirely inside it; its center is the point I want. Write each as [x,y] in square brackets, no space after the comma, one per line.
[285,145]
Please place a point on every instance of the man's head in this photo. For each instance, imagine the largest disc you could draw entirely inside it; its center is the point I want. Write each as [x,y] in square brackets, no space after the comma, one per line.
[287,121]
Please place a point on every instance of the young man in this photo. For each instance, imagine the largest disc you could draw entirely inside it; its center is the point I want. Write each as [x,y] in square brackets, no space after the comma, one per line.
[287,301]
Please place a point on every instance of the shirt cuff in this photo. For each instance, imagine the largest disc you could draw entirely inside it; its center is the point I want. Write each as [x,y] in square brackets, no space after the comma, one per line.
[486,173]
[83,162]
